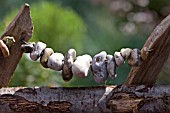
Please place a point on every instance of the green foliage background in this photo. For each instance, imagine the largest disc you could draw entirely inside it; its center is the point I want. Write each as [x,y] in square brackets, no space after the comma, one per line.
[87,26]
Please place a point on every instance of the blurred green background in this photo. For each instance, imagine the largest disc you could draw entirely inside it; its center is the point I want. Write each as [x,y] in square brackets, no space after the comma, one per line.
[89,26]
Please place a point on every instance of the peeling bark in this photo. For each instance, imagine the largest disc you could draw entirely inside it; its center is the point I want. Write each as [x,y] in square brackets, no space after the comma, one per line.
[120,99]
[21,28]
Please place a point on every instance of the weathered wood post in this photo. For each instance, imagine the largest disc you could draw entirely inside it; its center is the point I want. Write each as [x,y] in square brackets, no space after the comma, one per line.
[107,99]
[159,45]
[21,28]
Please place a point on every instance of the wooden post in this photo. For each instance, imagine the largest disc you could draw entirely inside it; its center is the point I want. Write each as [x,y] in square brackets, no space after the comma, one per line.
[21,28]
[159,48]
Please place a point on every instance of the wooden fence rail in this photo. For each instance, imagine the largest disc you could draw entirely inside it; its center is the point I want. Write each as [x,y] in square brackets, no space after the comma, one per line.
[110,99]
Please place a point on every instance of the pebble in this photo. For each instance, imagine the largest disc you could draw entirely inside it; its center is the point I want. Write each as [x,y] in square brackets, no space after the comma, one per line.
[68,62]
[28,47]
[119,59]
[46,53]
[125,52]
[99,67]
[111,66]
[39,47]
[135,60]
[81,66]
[56,61]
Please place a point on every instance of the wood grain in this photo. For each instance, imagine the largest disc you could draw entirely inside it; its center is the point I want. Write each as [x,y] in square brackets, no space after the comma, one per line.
[159,44]
[21,28]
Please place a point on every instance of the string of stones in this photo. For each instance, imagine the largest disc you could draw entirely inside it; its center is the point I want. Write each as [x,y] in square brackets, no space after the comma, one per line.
[101,65]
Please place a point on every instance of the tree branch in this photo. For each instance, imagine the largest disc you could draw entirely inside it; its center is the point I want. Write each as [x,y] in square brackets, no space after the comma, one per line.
[21,28]
[159,45]
[120,99]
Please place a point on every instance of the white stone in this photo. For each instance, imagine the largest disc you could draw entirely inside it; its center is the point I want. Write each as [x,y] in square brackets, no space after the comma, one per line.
[39,47]
[125,52]
[72,54]
[81,66]
[56,61]
[118,59]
